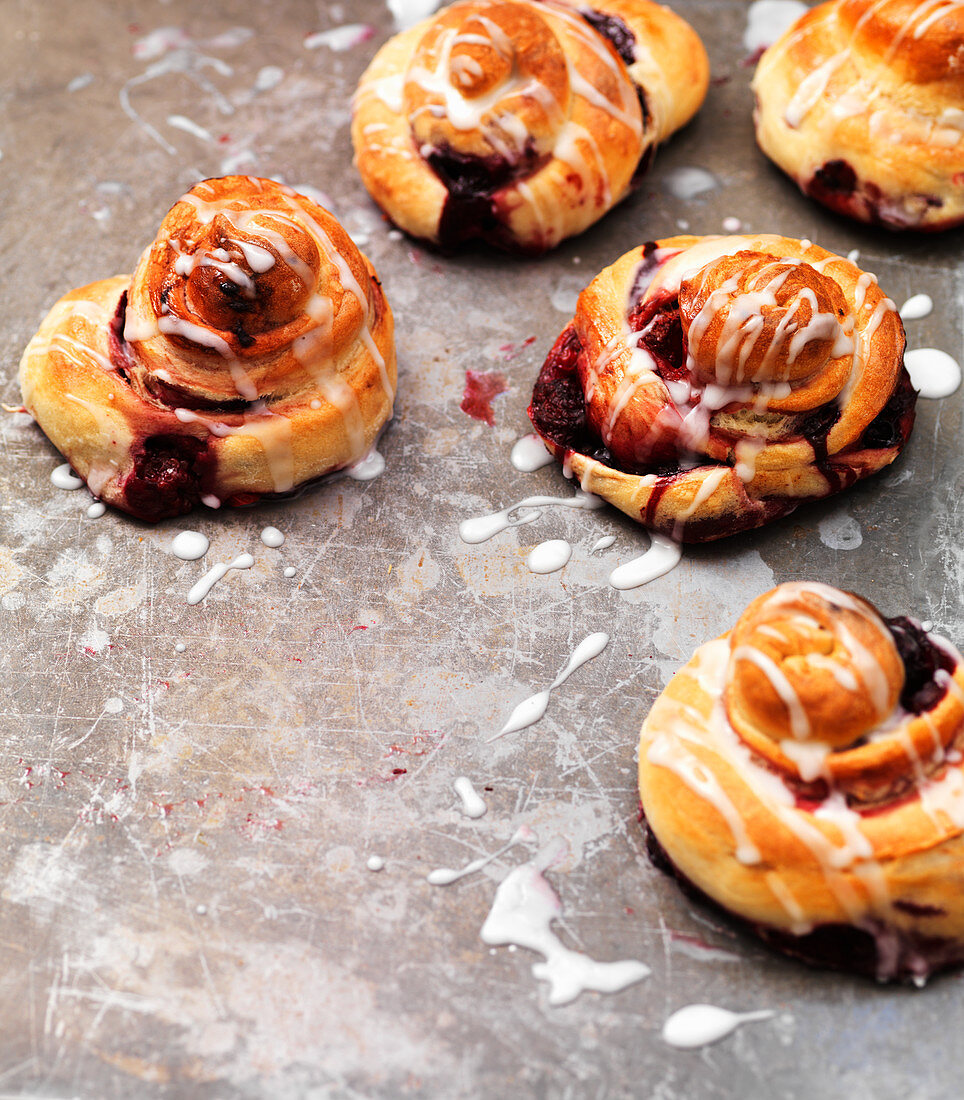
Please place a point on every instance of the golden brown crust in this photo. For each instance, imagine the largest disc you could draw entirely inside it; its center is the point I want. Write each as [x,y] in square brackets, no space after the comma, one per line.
[748,832]
[862,103]
[252,351]
[517,121]
[754,365]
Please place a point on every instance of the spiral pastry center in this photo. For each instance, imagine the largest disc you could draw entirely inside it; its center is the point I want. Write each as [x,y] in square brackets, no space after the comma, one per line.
[487,80]
[809,663]
[755,318]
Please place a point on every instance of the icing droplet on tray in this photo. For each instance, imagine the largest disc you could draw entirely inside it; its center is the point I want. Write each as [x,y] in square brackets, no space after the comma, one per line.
[445,876]
[933,373]
[481,528]
[766,20]
[65,478]
[662,556]
[180,647]
[524,908]
[272,537]
[473,805]
[341,38]
[189,545]
[375,863]
[549,556]
[603,543]
[530,710]
[367,468]
[214,574]
[96,510]
[529,454]
[407,13]
[916,307]
[689,183]
[699,1025]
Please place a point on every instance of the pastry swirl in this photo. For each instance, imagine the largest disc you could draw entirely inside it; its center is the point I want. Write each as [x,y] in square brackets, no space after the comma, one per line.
[521,122]
[250,352]
[805,773]
[862,103]
[708,385]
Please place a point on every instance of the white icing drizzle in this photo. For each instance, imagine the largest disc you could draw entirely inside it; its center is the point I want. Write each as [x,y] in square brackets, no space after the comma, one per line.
[532,709]
[96,510]
[473,805]
[811,90]
[214,574]
[933,372]
[602,543]
[548,557]
[916,307]
[445,876]
[189,545]
[529,454]
[65,478]
[481,528]
[522,913]
[699,1025]
[272,537]
[663,555]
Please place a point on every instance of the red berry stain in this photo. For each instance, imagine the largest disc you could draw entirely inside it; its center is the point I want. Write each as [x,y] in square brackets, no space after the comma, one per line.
[480,388]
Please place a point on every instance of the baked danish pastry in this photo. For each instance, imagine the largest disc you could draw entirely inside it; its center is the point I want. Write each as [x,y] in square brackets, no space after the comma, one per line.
[521,122]
[707,385]
[862,103]
[805,773]
[250,352]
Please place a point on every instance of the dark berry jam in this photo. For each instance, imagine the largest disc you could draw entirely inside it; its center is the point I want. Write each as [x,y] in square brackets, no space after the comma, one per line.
[168,476]
[558,408]
[117,346]
[892,425]
[815,427]
[471,181]
[922,660]
[658,319]
[615,30]
[835,177]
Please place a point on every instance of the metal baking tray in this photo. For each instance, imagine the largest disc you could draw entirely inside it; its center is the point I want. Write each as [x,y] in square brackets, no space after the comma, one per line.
[191,794]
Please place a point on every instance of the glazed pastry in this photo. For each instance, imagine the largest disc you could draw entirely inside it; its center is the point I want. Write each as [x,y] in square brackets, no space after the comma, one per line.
[518,122]
[250,352]
[805,773]
[862,103]
[707,385]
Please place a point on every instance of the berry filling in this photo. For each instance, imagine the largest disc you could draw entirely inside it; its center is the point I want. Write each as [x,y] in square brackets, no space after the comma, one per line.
[469,209]
[167,478]
[118,347]
[615,30]
[922,660]
[661,334]
[891,427]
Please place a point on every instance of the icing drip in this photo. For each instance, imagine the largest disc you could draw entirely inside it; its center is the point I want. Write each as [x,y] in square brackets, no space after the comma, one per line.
[481,528]
[473,805]
[214,574]
[700,1025]
[532,709]
[523,911]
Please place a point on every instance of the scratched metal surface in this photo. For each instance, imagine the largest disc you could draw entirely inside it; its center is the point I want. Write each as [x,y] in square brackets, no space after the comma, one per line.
[185,909]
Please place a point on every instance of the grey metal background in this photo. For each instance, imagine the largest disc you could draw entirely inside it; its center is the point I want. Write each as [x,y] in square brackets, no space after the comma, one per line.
[185,909]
